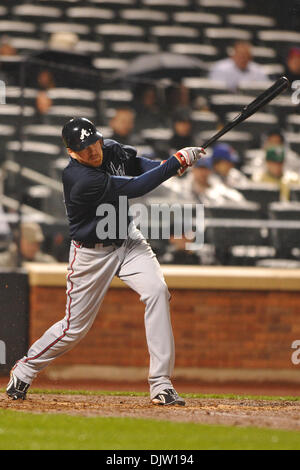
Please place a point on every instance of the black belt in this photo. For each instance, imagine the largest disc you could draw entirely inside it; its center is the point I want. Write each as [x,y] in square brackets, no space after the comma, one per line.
[104,243]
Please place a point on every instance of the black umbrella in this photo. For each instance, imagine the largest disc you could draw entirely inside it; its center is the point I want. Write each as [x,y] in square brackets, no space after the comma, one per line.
[162,65]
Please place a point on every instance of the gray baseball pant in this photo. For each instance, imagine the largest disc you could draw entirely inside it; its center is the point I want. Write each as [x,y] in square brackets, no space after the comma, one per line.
[90,273]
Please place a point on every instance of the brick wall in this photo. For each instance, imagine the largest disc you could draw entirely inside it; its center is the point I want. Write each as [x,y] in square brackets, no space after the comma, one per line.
[212,328]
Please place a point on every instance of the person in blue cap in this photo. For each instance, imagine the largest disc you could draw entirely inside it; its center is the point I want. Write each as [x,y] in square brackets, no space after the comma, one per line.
[224,160]
[209,189]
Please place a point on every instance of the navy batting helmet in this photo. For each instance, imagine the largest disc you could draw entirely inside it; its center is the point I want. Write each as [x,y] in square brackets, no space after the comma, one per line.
[79,133]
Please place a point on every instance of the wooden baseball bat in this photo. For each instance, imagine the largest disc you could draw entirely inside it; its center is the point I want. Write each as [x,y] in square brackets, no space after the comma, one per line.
[264,98]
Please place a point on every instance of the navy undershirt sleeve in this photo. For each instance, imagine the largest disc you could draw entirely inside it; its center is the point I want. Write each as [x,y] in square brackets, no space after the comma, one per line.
[140,185]
[145,164]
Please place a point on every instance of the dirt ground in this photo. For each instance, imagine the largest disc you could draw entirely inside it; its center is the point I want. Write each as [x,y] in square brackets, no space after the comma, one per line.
[276,414]
[271,414]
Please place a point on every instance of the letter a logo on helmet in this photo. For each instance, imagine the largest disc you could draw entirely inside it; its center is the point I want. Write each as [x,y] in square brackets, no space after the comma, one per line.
[79,133]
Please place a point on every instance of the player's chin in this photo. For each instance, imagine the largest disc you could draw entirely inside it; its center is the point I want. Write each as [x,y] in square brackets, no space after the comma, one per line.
[96,162]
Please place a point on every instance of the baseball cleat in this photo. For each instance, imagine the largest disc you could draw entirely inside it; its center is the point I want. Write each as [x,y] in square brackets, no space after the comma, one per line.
[16,388]
[168,397]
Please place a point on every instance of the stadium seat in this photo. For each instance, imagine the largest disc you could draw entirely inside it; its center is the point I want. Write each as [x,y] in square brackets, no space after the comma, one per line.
[250,255]
[43,133]
[284,235]
[222,5]
[27,45]
[285,210]
[293,122]
[197,18]
[239,140]
[225,233]
[109,65]
[36,13]
[115,32]
[37,196]
[295,193]
[204,121]
[82,30]
[71,97]
[116,4]
[224,37]
[204,86]
[166,35]
[116,98]
[90,15]
[252,22]
[241,210]
[7,133]
[273,71]
[253,88]
[229,102]
[4,12]
[58,115]
[264,55]
[281,40]
[293,140]
[166,5]
[17,28]
[278,263]
[13,95]
[92,48]
[10,113]
[257,124]
[262,193]
[35,155]
[157,138]
[144,16]
[283,106]
[129,50]
[202,51]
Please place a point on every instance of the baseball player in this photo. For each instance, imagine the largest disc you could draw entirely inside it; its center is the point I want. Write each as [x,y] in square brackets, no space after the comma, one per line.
[95,175]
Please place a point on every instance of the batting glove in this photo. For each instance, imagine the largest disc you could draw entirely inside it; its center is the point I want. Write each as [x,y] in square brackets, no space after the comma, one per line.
[189,155]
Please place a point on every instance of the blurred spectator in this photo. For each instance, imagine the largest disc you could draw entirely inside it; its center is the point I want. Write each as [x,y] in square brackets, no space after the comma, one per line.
[292,70]
[149,112]
[7,50]
[182,130]
[274,139]
[31,239]
[199,184]
[122,125]
[209,190]
[177,96]
[274,172]
[65,41]
[224,160]
[4,226]
[177,252]
[45,82]
[238,68]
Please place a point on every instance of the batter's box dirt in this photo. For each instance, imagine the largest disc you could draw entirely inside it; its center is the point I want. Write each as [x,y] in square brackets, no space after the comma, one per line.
[262,413]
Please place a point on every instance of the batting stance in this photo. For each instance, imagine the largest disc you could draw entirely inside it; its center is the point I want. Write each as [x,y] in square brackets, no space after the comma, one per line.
[96,175]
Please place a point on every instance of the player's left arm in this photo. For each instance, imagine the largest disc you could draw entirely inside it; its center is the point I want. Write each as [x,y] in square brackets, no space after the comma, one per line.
[136,166]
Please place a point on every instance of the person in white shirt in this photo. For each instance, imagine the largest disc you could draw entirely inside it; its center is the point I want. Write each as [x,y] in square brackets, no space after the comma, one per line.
[238,68]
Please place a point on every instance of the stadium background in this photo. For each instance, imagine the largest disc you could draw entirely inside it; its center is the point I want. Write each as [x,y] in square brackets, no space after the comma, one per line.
[61,59]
